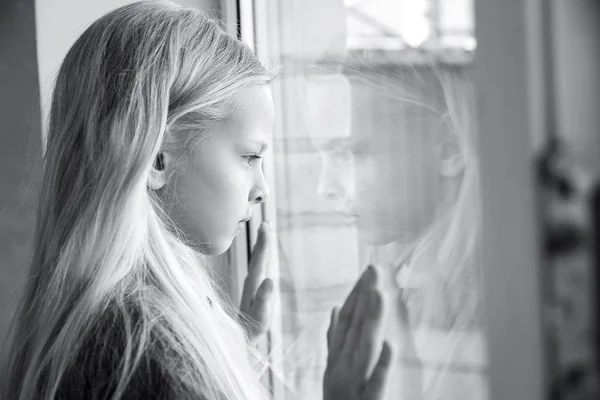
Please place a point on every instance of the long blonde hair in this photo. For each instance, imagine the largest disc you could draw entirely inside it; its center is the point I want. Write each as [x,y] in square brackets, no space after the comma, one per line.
[451,244]
[147,77]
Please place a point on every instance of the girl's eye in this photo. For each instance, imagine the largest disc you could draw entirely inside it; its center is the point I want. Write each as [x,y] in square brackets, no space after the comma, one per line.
[251,158]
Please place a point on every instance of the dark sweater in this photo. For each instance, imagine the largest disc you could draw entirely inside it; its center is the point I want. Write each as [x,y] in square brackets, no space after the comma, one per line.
[94,373]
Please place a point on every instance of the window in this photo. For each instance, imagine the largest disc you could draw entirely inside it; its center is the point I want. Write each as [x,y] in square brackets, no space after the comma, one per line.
[374,161]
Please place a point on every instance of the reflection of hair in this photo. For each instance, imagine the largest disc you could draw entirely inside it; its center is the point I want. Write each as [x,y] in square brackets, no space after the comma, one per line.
[146,77]
[452,299]
[451,240]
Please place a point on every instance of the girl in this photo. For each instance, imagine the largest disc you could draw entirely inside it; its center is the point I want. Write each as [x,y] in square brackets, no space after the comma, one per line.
[413,194]
[157,127]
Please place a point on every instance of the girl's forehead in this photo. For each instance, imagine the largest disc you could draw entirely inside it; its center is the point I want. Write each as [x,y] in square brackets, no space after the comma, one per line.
[253,103]
[252,115]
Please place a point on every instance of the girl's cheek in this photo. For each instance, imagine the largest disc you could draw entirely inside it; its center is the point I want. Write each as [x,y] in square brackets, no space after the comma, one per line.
[368,169]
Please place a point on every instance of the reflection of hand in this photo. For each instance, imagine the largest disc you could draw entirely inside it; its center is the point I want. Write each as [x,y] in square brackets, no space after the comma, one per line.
[353,341]
[255,307]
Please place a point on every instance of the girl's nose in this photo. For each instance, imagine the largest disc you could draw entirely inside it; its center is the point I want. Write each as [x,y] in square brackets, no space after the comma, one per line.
[332,181]
[260,191]
[330,189]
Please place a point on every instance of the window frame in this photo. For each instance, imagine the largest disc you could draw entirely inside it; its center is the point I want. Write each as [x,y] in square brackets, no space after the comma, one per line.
[512,63]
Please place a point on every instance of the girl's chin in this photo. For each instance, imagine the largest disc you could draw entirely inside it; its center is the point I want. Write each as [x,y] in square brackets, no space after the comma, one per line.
[217,247]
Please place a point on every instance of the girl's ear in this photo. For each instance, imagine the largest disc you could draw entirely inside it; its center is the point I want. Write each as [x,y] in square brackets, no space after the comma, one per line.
[158,174]
[451,160]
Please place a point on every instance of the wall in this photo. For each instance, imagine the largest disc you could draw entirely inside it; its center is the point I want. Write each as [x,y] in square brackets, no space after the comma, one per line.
[59,24]
[19,147]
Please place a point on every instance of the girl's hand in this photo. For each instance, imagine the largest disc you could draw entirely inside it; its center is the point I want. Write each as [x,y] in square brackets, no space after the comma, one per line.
[255,307]
[358,364]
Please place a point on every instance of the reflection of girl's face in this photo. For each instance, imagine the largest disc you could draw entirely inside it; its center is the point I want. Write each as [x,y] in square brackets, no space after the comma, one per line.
[384,174]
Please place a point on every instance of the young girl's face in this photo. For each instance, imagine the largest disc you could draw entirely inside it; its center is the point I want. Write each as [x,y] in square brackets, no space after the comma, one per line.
[384,173]
[215,188]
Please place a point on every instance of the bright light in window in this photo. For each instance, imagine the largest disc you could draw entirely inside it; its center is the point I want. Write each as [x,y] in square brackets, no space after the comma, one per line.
[405,21]
[416,32]
[415,26]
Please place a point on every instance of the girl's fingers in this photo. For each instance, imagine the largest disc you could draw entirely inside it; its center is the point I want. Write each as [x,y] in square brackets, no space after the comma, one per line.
[375,387]
[367,336]
[260,309]
[331,335]
[361,315]
[331,329]
[354,340]
[264,290]
[263,295]
[256,267]
[257,264]
[368,279]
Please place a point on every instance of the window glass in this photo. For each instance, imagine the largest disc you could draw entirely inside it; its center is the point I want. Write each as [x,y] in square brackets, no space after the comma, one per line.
[375,162]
